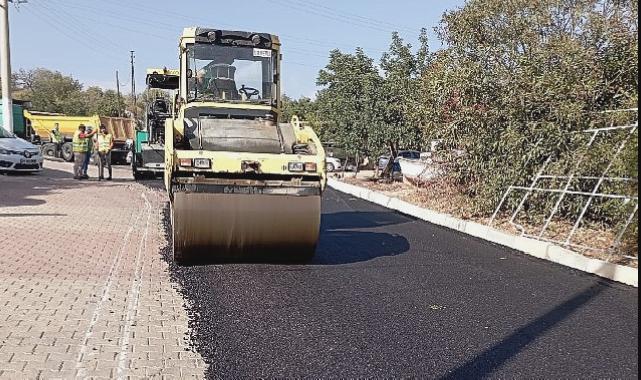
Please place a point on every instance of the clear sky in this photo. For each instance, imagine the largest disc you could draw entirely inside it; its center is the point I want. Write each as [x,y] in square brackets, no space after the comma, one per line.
[91,39]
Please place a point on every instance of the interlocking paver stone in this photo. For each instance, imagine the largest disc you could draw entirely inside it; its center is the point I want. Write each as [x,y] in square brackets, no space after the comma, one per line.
[84,291]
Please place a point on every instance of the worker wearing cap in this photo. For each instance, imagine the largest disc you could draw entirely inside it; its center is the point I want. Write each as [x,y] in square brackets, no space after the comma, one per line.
[105,143]
[90,151]
[80,150]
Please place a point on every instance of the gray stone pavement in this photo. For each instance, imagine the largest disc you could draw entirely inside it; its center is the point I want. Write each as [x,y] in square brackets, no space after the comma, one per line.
[84,291]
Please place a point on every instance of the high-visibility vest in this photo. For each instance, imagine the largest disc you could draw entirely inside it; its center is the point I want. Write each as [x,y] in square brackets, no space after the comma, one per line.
[56,137]
[80,145]
[104,142]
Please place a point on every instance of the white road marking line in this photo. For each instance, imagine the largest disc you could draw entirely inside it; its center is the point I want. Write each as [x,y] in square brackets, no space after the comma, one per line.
[132,307]
[105,295]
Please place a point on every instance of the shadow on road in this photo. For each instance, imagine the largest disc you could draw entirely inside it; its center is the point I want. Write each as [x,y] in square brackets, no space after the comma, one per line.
[343,240]
[349,220]
[488,361]
[30,214]
[25,189]
[22,189]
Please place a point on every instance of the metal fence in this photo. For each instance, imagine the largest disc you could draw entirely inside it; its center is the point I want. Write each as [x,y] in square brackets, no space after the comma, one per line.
[538,186]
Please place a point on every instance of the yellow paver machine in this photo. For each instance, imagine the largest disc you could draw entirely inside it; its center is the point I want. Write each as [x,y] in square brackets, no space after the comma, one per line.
[242,182]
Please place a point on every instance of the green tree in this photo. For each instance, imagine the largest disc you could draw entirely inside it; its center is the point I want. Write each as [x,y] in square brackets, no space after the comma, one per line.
[517,77]
[350,101]
[50,91]
[305,108]
[401,91]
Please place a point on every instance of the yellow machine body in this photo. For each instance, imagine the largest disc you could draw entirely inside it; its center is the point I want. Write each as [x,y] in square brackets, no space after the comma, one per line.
[242,182]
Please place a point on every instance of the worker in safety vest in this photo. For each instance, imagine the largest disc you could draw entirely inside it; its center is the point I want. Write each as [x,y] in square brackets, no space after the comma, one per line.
[81,140]
[56,137]
[105,143]
[90,152]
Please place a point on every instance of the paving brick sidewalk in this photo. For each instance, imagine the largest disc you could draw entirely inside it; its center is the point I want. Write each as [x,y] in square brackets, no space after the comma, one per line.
[84,291]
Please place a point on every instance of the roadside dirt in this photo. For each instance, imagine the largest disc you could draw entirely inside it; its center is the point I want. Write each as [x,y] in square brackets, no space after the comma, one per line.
[439,195]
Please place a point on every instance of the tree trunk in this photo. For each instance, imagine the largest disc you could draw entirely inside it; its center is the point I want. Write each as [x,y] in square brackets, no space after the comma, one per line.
[345,166]
[357,163]
[387,172]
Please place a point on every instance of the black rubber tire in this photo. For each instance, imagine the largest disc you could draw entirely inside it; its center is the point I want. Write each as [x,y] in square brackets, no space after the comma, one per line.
[330,167]
[49,150]
[67,152]
[134,171]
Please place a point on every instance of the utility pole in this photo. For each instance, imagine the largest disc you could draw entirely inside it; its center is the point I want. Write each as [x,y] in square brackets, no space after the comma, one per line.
[118,94]
[5,67]
[133,82]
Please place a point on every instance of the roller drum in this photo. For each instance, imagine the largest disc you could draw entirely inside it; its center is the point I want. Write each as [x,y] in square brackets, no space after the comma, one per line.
[209,226]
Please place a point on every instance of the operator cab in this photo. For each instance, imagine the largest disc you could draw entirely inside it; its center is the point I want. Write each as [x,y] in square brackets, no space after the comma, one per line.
[228,66]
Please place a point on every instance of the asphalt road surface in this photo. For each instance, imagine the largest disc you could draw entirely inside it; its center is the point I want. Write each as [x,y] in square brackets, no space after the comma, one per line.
[390,296]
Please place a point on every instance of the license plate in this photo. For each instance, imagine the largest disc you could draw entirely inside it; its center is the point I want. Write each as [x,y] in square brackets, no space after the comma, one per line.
[27,162]
[202,163]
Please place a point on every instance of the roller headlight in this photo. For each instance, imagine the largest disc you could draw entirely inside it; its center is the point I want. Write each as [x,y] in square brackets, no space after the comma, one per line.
[185,162]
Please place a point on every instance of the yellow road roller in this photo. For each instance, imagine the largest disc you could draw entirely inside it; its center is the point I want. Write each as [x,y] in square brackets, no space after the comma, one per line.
[242,182]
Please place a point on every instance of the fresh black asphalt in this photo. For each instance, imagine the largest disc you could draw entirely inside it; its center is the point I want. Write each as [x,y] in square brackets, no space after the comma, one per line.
[388,296]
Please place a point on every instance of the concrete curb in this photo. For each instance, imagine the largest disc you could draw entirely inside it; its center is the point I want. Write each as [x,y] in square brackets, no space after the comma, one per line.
[532,247]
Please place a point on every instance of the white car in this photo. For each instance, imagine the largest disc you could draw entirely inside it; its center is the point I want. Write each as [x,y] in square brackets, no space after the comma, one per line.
[18,155]
[333,164]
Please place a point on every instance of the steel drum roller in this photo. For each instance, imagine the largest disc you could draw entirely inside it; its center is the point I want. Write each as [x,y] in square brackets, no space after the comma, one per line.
[233,226]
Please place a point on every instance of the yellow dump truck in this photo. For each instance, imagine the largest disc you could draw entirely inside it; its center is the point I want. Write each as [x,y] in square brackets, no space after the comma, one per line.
[242,182]
[42,123]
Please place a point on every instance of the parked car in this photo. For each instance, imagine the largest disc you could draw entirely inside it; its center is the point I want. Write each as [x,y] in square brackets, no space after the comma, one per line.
[18,155]
[409,154]
[333,164]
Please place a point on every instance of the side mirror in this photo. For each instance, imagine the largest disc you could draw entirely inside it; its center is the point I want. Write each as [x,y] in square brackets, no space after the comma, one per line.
[276,78]
[190,73]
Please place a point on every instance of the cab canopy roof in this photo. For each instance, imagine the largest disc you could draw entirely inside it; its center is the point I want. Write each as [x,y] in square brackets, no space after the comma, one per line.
[165,79]
[231,37]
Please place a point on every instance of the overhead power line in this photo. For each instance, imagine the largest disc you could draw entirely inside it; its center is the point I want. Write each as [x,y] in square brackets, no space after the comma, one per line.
[329,13]
[357,16]
[191,20]
[91,14]
[79,26]
[73,37]
[118,15]
[285,62]
[311,11]
[364,19]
